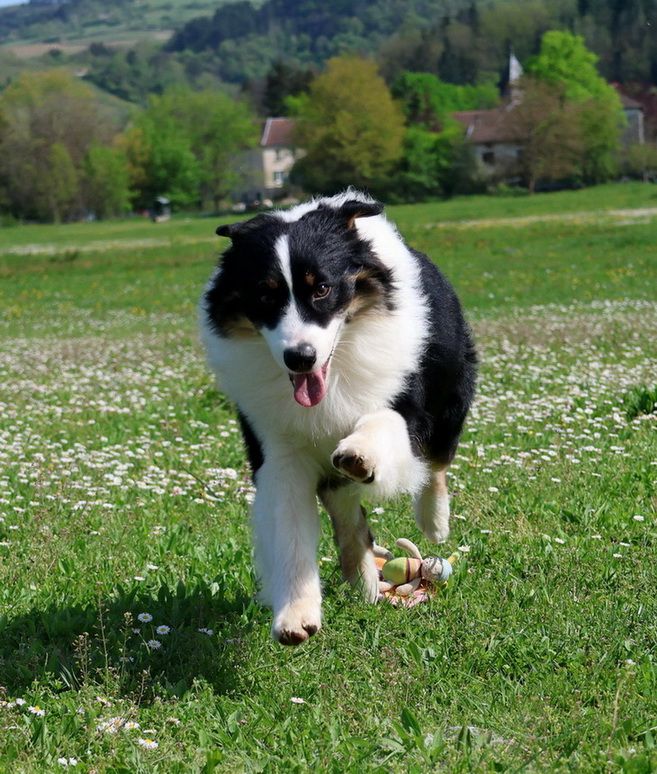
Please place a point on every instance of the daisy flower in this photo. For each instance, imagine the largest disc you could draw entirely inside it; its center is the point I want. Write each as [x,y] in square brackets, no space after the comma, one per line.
[36,710]
[111,725]
[163,629]
[145,617]
[154,644]
[149,744]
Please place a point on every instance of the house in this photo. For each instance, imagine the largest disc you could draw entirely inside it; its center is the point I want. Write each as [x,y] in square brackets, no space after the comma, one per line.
[492,134]
[497,141]
[266,169]
[634,131]
[494,138]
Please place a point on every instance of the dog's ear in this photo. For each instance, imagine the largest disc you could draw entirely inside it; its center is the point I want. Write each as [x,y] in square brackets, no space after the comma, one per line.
[354,209]
[236,230]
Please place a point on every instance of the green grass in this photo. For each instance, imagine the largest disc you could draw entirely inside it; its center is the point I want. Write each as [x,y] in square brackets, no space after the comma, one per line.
[124,490]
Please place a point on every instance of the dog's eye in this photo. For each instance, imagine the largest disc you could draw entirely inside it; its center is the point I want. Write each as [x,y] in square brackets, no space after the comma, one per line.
[321,291]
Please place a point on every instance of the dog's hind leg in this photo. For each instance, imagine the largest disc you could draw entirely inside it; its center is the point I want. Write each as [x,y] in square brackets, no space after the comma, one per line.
[353,537]
[432,507]
[286,532]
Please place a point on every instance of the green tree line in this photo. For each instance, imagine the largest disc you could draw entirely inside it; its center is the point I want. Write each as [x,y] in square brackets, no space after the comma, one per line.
[63,156]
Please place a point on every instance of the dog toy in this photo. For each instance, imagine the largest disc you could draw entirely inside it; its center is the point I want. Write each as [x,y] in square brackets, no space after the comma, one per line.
[411,579]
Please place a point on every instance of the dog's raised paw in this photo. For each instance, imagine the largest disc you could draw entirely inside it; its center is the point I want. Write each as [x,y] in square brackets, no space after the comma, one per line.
[295,624]
[353,465]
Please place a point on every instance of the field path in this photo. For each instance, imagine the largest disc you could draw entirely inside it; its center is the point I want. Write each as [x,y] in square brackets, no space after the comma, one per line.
[615,217]
[618,217]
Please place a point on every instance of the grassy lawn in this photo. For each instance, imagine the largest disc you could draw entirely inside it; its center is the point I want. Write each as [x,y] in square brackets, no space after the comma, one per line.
[129,640]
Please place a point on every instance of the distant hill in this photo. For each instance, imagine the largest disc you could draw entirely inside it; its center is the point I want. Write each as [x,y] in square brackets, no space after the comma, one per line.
[75,24]
[207,43]
[463,41]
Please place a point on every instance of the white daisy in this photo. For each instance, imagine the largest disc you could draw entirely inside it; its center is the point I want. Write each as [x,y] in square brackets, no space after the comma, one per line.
[149,744]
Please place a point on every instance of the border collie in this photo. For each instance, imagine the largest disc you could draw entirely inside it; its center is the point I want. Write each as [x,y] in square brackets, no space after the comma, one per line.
[353,369]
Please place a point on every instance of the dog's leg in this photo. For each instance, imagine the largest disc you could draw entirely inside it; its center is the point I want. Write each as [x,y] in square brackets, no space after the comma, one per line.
[286,532]
[432,507]
[378,453]
[353,537]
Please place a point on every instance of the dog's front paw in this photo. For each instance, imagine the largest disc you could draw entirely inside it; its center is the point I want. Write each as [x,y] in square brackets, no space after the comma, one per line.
[354,462]
[294,623]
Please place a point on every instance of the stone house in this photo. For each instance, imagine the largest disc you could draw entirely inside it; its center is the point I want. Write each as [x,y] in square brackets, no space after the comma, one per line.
[266,169]
[497,142]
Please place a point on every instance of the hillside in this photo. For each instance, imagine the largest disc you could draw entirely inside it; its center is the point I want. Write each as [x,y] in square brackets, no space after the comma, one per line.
[463,41]
[31,29]
[143,46]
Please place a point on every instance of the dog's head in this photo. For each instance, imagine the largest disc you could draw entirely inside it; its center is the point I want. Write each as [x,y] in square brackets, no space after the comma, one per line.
[298,282]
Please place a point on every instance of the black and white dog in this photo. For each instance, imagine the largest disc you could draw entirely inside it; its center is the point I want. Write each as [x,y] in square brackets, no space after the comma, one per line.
[353,370]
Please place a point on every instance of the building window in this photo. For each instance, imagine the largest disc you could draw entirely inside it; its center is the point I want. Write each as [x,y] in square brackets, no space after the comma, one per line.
[280,179]
[488,157]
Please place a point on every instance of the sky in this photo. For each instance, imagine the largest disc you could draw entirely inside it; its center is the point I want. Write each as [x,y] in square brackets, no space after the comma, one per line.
[3,3]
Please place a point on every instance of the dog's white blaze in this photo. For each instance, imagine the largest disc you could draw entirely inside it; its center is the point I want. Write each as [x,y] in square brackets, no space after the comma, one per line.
[292,330]
[282,250]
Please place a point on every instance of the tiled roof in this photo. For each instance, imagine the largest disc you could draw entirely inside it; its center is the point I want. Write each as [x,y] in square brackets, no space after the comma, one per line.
[628,103]
[489,126]
[277,132]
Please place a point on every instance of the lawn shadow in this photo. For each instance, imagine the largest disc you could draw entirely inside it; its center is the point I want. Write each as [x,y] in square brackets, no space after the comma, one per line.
[117,642]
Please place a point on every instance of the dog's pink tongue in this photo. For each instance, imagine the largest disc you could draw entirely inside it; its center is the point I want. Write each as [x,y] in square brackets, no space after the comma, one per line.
[309,388]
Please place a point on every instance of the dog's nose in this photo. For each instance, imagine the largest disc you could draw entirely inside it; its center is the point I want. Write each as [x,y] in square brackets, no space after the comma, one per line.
[300,358]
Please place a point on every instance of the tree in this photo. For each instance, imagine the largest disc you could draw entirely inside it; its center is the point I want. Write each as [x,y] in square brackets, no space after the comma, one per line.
[566,64]
[550,131]
[431,165]
[349,125]
[185,146]
[428,101]
[50,120]
[60,187]
[106,181]
[284,79]
[565,60]
[641,161]
[160,163]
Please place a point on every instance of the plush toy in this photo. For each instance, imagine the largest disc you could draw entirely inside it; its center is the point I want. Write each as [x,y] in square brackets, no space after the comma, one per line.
[410,580]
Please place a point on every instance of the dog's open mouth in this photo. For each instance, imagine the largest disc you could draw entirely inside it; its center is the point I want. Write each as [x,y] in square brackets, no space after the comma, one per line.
[310,388]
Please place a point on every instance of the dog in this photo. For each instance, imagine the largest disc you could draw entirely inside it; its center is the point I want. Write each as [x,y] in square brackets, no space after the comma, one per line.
[353,370]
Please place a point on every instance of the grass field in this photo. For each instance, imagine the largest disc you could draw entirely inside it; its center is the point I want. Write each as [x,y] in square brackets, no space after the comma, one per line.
[129,640]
